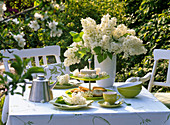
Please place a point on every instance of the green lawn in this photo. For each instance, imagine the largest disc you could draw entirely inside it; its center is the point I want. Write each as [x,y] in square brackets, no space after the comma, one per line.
[1,105]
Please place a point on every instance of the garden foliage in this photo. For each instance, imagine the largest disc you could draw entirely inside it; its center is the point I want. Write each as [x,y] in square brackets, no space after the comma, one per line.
[20,74]
[32,27]
[149,18]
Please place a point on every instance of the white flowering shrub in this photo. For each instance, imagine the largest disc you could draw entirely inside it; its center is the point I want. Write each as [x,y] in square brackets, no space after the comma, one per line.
[36,27]
[2,9]
[19,38]
[103,40]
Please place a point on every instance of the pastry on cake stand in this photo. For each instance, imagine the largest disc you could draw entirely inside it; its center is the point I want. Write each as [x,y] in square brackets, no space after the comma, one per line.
[89,75]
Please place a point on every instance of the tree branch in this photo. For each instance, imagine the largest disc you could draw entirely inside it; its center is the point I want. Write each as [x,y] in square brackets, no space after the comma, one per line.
[20,13]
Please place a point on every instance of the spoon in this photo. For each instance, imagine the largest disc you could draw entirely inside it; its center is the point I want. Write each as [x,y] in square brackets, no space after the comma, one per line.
[128,104]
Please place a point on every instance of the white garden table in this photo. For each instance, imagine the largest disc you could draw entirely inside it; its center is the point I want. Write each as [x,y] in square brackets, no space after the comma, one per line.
[145,109]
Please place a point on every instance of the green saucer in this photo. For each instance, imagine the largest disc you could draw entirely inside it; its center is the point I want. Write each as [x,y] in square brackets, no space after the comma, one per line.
[94,98]
[65,86]
[89,79]
[70,107]
[102,103]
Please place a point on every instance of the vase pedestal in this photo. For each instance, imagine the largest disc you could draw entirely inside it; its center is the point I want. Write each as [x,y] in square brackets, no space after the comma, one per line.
[108,66]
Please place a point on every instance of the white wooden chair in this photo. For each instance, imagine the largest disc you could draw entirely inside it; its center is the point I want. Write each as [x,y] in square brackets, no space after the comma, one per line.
[35,53]
[159,54]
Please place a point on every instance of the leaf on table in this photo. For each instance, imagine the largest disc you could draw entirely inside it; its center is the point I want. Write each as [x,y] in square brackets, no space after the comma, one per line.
[167,118]
[51,117]
[101,119]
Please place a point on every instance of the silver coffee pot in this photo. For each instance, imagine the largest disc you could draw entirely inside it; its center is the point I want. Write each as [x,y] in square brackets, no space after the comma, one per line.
[41,89]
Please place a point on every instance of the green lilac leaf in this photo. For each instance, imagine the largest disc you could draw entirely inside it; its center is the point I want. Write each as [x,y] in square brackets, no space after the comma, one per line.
[110,55]
[81,34]
[97,50]
[17,67]
[76,36]
[35,70]
[9,74]
[87,57]
[100,58]
[104,56]
[18,59]
[26,61]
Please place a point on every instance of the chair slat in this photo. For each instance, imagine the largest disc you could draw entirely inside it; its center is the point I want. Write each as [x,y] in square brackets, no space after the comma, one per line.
[24,53]
[6,65]
[161,54]
[33,52]
[161,84]
[152,76]
[29,64]
[168,73]
[37,53]
[44,60]
[57,58]
[37,63]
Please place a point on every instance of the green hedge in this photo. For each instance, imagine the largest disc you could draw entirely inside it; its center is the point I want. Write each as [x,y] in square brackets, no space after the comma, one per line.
[150,19]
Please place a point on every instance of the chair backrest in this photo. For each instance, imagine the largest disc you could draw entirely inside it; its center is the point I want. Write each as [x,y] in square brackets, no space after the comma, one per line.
[35,53]
[158,55]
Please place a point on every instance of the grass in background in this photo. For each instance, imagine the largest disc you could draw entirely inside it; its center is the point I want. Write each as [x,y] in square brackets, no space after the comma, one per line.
[1,106]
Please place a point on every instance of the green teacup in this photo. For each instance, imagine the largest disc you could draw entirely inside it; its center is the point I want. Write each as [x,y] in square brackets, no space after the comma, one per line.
[111,97]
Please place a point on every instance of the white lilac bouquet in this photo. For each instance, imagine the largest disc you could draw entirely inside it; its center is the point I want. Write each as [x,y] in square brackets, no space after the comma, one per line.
[103,40]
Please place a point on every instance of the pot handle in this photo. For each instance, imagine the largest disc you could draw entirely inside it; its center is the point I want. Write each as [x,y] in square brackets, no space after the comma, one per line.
[53,85]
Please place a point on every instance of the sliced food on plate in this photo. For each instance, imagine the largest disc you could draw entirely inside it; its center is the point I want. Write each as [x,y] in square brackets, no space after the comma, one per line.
[95,94]
[64,82]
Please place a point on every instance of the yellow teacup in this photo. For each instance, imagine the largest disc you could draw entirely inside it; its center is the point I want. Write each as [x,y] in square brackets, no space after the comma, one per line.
[111,97]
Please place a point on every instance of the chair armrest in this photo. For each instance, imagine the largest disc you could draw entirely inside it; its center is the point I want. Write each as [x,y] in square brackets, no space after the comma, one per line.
[146,77]
[142,79]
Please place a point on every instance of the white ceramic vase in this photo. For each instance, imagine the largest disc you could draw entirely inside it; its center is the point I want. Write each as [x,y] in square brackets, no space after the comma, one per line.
[108,66]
